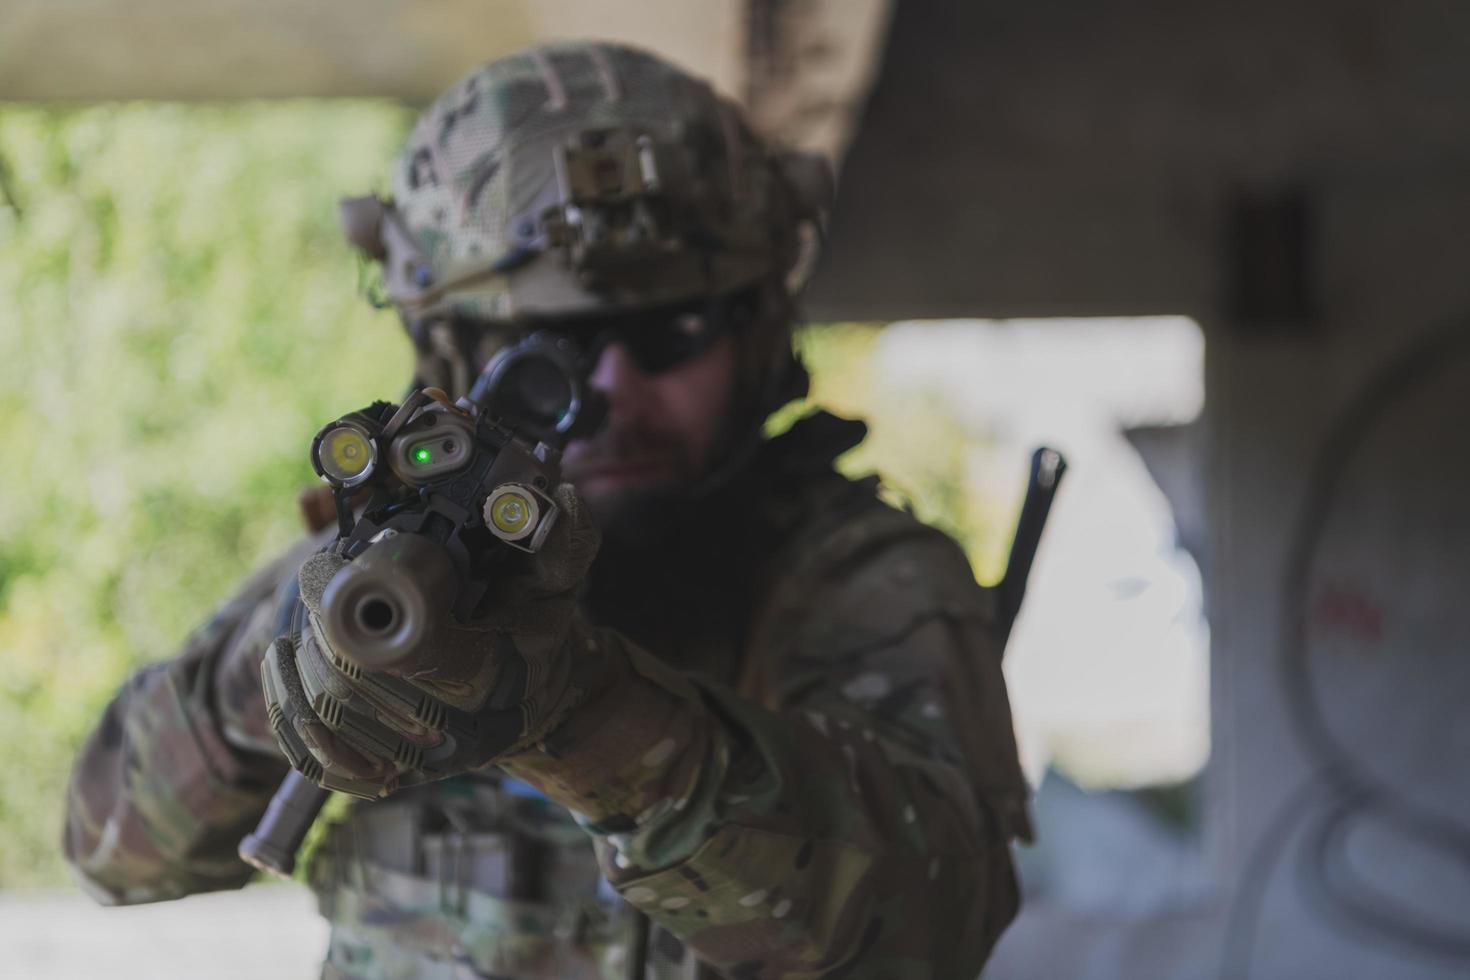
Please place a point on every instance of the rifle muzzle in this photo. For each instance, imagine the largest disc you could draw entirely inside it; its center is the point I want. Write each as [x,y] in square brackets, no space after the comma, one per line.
[380,609]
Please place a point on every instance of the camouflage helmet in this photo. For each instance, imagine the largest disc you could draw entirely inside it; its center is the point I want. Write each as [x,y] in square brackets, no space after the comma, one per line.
[577,178]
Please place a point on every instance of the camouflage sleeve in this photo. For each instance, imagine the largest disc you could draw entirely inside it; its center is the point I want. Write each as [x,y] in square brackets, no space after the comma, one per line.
[182,764]
[852,815]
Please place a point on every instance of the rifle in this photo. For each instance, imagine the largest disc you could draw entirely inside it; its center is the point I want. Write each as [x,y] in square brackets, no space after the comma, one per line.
[454,490]
[381,607]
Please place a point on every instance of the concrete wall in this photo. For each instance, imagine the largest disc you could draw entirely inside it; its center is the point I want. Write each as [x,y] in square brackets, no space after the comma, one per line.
[1334,836]
[1062,158]
[1340,475]
[1291,174]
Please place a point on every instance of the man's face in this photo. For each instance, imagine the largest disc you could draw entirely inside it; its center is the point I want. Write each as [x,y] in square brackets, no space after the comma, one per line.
[665,431]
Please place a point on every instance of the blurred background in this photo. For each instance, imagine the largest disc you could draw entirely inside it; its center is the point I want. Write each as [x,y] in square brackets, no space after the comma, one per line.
[1214,253]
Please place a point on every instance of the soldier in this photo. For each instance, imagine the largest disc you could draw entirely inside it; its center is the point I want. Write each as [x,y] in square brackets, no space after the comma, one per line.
[769,717]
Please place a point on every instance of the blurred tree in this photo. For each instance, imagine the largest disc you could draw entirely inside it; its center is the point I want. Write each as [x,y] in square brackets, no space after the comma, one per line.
[917,441]
[179,313]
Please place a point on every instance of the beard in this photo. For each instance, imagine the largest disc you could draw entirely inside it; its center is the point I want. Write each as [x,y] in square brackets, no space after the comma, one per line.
[670,480]
[677,552]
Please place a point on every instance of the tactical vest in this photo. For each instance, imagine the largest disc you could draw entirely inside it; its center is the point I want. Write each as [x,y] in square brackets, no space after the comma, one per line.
[471,878]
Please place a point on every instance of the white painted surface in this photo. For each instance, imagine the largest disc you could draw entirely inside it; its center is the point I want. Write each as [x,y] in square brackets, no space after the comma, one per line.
[1108,667]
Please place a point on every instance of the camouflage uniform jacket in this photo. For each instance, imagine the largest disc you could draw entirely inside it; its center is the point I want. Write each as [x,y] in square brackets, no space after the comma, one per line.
[810,773]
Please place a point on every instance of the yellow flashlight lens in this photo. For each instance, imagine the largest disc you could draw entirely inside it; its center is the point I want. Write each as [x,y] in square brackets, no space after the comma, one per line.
[345,454]
[511,513]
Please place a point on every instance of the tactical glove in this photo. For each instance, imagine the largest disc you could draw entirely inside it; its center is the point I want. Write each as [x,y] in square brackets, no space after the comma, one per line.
[471,692]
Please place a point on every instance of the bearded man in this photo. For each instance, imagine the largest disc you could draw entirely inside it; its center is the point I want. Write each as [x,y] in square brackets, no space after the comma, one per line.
[767,715]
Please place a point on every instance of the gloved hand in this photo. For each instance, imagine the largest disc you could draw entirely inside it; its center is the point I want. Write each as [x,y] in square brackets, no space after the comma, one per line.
[471,694]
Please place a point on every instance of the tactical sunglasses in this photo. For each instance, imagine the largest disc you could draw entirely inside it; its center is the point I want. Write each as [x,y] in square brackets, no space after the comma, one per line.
[661,338]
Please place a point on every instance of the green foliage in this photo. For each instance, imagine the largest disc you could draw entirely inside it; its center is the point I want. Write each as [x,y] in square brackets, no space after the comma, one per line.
[177,310]
[916,442]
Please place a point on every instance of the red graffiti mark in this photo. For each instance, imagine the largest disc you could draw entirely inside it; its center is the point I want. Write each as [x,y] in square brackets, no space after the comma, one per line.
[1347,609]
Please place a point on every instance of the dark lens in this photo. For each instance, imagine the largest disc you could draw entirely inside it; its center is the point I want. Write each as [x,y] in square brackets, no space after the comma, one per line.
[663,338]
[665,343]
[535,390]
